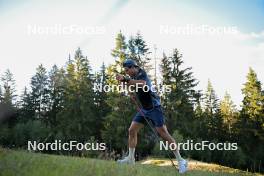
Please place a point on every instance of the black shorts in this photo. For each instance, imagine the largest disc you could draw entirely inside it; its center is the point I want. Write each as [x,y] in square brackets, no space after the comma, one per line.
[154,115]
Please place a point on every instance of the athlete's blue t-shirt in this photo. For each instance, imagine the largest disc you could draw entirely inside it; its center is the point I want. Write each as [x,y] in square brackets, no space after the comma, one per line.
[148,98]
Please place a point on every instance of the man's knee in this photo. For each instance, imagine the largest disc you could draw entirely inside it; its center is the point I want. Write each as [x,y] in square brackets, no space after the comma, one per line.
[164,134]
[162,131]
[132,132]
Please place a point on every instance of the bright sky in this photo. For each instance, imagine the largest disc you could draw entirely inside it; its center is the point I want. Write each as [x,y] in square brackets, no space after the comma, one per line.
[223,57]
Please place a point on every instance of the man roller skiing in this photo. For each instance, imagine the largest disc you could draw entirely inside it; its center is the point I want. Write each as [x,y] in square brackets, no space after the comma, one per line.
[151,111]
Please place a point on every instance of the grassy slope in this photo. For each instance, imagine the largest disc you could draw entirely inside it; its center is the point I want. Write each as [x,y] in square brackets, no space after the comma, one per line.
[33,164]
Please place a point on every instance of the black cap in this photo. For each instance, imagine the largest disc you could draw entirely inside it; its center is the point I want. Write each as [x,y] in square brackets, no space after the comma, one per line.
[129,63]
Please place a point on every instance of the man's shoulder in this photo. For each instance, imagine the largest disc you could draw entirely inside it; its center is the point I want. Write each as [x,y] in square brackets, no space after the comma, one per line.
[141,74]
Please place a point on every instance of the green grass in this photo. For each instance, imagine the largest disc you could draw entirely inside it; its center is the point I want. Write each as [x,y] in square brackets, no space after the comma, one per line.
[24,163]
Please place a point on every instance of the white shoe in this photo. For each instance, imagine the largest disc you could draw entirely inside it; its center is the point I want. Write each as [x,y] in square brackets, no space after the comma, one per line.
[126,160]
[183,166]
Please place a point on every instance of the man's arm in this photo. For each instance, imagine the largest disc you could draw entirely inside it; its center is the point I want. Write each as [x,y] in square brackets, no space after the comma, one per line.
[129,81]
[138,82]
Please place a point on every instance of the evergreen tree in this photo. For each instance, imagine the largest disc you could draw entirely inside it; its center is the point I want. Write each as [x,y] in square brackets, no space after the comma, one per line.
[102,108]
[120,48]
[166,70]
[55,91]
[252,106]
[250,123]
[8,109]
[179,102]
[77,118]
[26,110]
[228,114]
[139,51]
[120,54]
[211,102]
[39,92]
[212,113]
[120,114]
[9,88]
[165,67]
[199,122]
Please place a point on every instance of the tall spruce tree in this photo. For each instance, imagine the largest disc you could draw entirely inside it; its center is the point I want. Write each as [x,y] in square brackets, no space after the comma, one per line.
[102,108]
[228,114]
[8,106]
[250,122]
[139,51]
[77,118]
[39,92]
[212,112]
[55,90]
[252,106]
[166,99]
[179,102]
[8,81]
[211,102]
[26,110]
[199,122]
[120,54]
[119,116]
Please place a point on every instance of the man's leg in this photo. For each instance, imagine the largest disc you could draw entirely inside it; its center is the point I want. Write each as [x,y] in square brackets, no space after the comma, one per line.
[182,164]
[132,142]
[132,131]
[165,135]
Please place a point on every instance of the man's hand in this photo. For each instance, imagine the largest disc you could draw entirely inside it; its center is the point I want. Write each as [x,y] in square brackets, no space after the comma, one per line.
[119,77]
